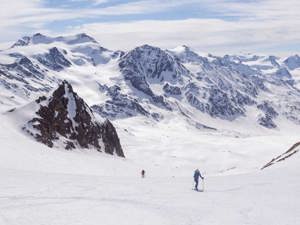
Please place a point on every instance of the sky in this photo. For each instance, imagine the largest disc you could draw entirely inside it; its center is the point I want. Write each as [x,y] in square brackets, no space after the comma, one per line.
[215,26]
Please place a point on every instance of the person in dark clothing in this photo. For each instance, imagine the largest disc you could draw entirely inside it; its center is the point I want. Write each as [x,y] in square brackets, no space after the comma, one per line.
[143,173]
[197,174]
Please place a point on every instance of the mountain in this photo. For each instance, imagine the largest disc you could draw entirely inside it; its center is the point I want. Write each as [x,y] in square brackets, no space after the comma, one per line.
[147,66]
[172,110]
[39,38]
[65,120]
[292,62]
[205,91]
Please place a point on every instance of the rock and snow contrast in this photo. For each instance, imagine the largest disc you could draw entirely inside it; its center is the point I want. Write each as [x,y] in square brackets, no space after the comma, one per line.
[65,120]
[153,82]
[172,110]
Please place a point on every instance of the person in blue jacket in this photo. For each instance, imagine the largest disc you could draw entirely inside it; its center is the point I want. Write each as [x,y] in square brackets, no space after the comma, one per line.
[197,174]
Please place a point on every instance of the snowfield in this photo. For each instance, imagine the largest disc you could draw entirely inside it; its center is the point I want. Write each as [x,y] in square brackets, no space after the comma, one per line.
[174,111]
[43,186]
[47,198]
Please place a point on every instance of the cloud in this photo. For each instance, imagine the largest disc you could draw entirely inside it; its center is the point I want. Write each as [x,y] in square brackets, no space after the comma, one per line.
[96,2]
[27,16]
[219,26]
[209,35]
[258,9]
[30,13]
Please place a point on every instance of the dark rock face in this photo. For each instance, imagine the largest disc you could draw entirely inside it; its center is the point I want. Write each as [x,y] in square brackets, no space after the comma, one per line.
[228,104]
[54,60]
[22,42]
[283,73]
[171,90]
[292,62]
[267,121]
[120,105]
[284,76]
[17,76]
[145,65]
[290,152]
[25,68]
[273,60]
[269,114]
[66,119]
[222,105]
[111,140]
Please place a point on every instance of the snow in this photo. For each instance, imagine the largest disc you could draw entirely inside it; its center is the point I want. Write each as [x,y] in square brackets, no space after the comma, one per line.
[6,59]
[47,198]
[71,105]
[39,185]
[180,49]
[43,186]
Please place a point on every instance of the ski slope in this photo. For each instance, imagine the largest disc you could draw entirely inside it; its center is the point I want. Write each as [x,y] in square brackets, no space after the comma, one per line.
[42,186]
[47,198]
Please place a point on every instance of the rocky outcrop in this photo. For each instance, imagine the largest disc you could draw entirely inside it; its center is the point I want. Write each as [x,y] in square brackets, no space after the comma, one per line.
[66,120]
[146,65]
[266,120]
[291,151]
[292,62]
[154,80]
[171,90]
[54,60]
[119,105]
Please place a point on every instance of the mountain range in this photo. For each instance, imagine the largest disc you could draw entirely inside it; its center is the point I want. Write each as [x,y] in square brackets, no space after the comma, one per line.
[208,92]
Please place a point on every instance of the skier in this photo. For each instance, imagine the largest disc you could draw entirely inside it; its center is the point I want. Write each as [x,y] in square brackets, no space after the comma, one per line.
[143,173]
[197,174]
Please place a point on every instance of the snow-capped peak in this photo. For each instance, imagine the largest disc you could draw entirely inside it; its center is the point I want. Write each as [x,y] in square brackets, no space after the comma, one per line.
[39,38]
[64,120]
[181,49]
[76,39]
[185,54]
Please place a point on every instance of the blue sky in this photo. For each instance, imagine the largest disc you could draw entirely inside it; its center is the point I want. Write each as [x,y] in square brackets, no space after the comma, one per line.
[216,26]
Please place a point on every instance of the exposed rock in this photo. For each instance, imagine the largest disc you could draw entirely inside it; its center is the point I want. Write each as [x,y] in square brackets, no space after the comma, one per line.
[120,105]
[291,151]
[292,62]
[54,60]
[273,60]
[146,65]
[266,120]
[65,119]
[111,139]
[171,90]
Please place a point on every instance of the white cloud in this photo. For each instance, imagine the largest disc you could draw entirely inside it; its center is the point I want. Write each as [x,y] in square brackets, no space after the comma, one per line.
[209,35]
[256,25]
[95,2]
[32,13]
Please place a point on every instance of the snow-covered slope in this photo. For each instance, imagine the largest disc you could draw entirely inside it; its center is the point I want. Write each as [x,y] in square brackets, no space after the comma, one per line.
[64,120]
[39,186]
[174,111]
[206,91]
[149,89]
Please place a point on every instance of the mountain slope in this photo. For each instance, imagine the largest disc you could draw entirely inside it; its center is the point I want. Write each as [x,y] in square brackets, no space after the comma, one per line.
[65,120]
[158,84]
